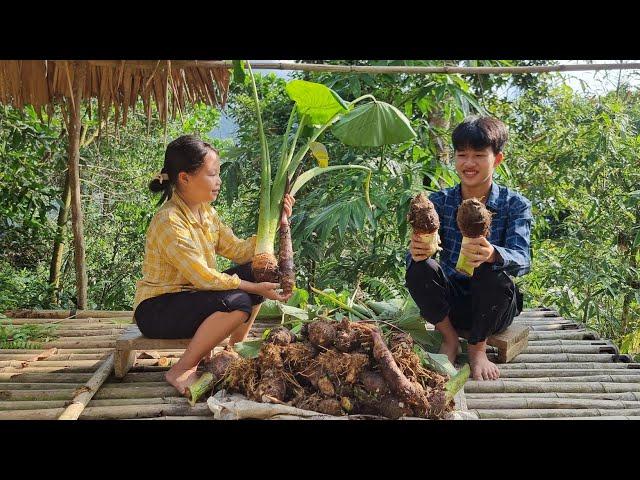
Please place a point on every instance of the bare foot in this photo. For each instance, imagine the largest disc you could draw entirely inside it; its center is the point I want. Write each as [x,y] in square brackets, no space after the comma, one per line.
[181,379]
[481,367]
[450,347]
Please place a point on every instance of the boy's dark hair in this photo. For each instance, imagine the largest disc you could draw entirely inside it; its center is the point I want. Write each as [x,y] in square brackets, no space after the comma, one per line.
[480,132]
[184,154]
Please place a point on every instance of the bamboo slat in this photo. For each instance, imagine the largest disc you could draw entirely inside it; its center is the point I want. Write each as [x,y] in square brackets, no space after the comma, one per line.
[556,349]
[79,402]
[141,411]
[568,365]
[527,373]
[505,414]
[547,403]
[495,386]
[564,357]
[44,377]
[632,396]
[588,378]
[564,335]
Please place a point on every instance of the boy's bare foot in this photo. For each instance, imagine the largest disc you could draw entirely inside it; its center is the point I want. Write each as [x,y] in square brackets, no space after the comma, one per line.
[181,379]
[450,347]
[481,367]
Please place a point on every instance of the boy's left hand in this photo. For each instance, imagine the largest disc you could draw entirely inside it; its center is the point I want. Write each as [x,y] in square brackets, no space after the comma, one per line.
[478,251]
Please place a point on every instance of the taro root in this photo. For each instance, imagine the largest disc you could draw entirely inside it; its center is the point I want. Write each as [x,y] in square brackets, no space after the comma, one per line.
[265,267]
[424,220]
[326,386]
[281,336]
[285,256]
[297,356]
[374,383]
[322,333]
[372,378]
[440,404]
[393,408]
[401,339]
[474,220]
[270,356]
[346,404]
[330,406]
[272,386]
[220,362]
[346,341]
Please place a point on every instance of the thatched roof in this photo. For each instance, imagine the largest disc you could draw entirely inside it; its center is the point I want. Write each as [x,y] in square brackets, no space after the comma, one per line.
[42,83]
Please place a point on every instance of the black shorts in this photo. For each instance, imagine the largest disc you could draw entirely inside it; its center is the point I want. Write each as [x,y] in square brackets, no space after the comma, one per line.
[178,315]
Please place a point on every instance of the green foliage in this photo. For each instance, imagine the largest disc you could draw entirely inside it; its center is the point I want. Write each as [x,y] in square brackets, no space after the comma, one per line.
[29,336]
[573,154]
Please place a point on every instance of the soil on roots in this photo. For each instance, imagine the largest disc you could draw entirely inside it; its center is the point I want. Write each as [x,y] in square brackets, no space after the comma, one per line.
[265,268]
[473,218]
[422,215]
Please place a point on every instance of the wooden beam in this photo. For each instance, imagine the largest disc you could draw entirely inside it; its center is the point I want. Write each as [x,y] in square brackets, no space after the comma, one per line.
[77,221]
[86,393]
[382,69]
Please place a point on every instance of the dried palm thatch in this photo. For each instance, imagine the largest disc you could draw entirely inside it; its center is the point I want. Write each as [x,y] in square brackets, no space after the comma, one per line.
[117,83]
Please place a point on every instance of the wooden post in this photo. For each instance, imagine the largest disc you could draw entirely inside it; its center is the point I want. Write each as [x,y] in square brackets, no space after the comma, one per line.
[74,410]
[58,245]
[75,124]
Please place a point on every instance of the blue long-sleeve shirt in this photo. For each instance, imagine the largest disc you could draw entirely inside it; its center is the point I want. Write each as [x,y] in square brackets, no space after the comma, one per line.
[510,231]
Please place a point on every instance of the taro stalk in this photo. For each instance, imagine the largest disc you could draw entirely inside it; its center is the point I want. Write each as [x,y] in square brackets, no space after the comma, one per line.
[474,220]
[316,109]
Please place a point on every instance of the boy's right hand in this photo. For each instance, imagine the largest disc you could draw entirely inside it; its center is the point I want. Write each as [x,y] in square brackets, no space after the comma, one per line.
[420,250]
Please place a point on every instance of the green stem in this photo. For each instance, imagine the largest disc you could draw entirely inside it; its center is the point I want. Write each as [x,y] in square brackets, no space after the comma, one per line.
[362,98]
[454,385]
[279,184]
[340,304]
[200,387]
[264,243]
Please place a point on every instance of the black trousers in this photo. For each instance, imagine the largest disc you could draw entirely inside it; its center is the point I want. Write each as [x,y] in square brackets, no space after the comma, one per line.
[180,314]
[491,305]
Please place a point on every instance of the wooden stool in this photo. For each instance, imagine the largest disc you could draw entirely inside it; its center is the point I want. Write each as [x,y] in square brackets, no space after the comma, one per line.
[509,343]
[132,340]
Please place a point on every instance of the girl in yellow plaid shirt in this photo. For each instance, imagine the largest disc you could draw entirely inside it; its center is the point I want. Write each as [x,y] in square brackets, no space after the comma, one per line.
[182,294]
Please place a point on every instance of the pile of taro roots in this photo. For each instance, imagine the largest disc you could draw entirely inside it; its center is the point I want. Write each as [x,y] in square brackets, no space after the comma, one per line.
[336,368]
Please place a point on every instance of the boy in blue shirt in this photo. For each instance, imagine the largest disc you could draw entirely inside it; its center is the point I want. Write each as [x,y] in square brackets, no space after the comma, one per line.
[487,302]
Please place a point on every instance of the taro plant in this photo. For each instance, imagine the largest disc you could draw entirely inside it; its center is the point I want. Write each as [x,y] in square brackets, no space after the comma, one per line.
[363,122]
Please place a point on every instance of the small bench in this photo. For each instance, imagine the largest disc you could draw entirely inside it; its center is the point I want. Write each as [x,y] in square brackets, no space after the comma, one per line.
[509,343]
[132,340]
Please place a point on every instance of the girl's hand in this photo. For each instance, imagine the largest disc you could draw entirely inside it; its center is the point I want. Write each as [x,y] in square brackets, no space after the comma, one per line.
[288,204]
[478,250]
[269,290]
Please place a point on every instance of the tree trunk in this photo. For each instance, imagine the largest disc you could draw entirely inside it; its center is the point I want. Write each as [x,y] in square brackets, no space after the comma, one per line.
[58,245]
[75,124]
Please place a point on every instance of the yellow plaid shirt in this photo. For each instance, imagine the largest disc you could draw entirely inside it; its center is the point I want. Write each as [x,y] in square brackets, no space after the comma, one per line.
[180,252]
